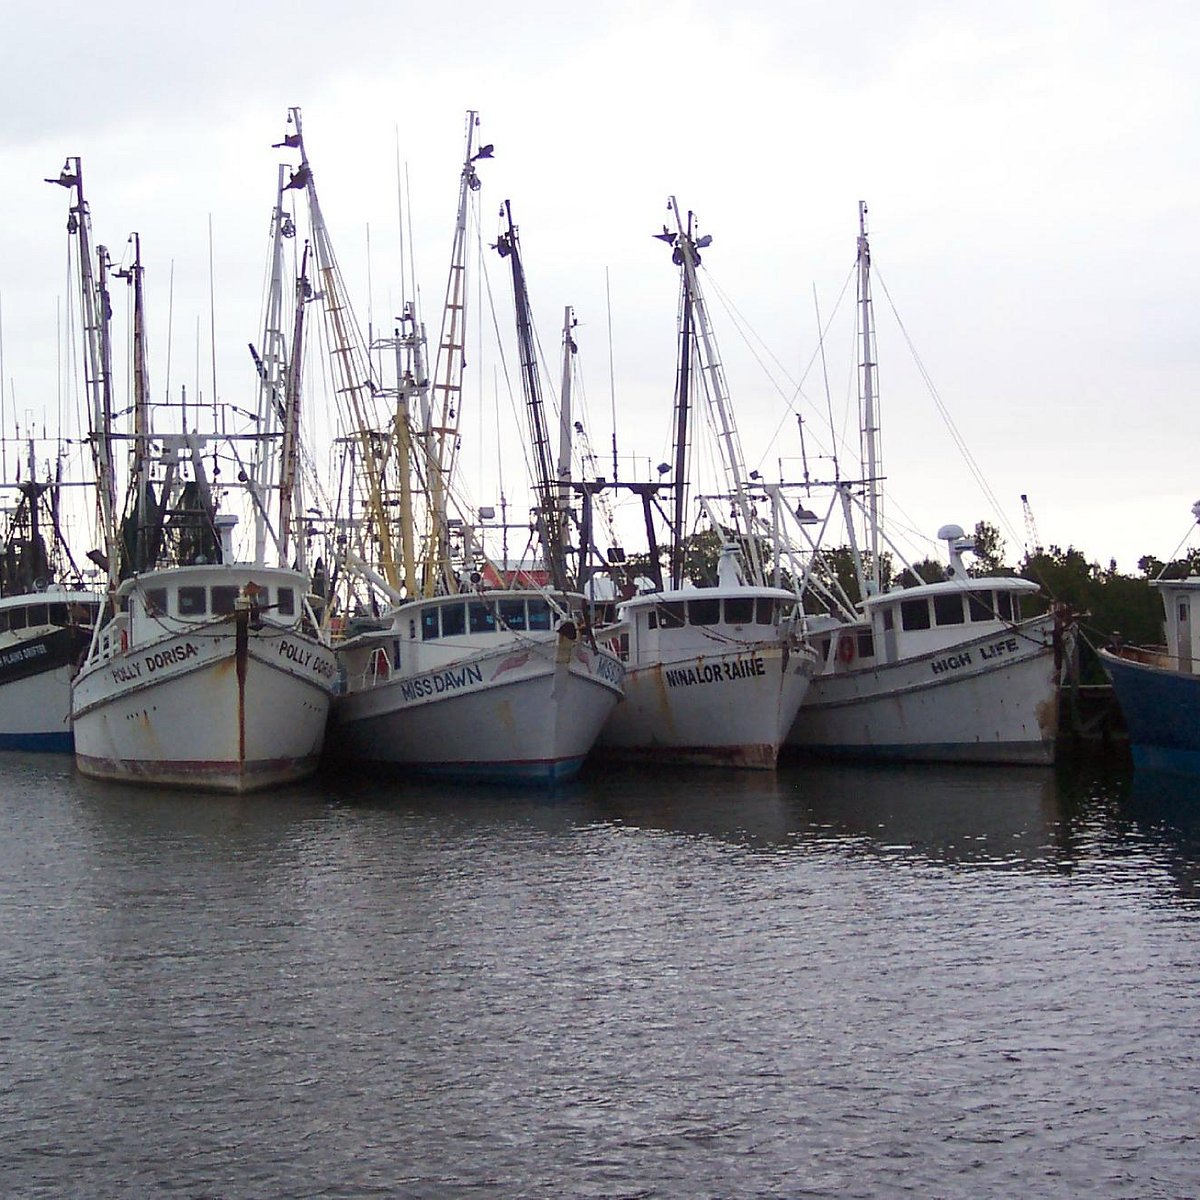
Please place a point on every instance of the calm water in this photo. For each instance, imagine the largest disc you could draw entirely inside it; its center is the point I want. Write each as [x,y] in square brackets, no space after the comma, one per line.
[830,982]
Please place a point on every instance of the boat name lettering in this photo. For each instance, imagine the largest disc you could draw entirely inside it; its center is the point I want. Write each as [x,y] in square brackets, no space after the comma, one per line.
[718,672]
[443,681]
[608,668]
[952,662]
[170,656]
[23,653]
[306,658]
[1005,646]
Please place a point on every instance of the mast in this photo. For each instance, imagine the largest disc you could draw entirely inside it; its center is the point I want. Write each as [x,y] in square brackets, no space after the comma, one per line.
[290,500]
[440,424]
[720,410]
[868,403]
[566,429]
[136,549]
[683,390]
[355,389]
[95,312]
[546,482]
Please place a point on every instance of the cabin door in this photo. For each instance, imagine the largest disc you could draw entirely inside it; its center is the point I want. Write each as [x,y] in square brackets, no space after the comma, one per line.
[1183,633]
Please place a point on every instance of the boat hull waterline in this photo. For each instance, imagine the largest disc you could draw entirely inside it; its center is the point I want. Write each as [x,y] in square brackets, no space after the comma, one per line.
[992,699]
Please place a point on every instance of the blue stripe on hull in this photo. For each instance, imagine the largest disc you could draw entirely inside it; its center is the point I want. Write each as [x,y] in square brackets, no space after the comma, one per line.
[517,772]
[43,743]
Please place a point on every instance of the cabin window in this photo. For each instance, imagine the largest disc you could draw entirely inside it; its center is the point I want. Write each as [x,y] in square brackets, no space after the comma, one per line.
[739,610]
[286,606]
[429,624]
[480,617]
[704,612]
[1183,616]
[59,615]
[4,619]
[193,601]
[672,614]
[889,619]
[156,602]
[948,610]
[914,614]
[539,614]
[224,600]
[980,606]
[866,645]
[822,649]
[512,613]
[652,619]
[18,618]
[454,620]
[1004,606]
[38,615]
[765,611]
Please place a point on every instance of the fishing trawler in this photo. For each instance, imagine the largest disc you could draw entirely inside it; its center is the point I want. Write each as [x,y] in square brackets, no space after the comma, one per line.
[203,671]
[447,676]
[951,670]
[47,614]
[714,674]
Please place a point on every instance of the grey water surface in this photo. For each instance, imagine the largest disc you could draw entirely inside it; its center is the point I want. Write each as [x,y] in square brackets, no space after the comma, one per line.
[831,981]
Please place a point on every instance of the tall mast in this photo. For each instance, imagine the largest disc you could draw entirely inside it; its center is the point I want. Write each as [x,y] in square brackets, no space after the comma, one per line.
[139,521]
[290,501]
[868,403]
[545,483]
[95,311]
[272,369]
[350,367]
[439,432]
[565,427]
[720,410]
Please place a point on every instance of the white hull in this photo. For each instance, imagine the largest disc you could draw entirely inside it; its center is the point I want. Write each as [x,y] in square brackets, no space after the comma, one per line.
[991,699]
[188,709]
[528,709]
[731,708]
[35,712]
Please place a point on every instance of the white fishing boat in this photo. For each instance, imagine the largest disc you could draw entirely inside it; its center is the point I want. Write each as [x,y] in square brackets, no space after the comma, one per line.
[43,635]
[502,684]
[714,674]
[451,676]
[951,670]
[47,614]
[203,671]
[208,676]
[947,671]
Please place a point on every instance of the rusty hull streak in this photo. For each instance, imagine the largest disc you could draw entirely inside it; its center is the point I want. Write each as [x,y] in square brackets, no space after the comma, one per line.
[241,656]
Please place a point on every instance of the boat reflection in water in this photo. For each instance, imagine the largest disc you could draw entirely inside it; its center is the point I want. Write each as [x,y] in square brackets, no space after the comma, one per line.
[943,813]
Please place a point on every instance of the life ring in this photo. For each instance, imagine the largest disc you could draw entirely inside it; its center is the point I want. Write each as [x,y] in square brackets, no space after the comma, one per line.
[380,666]
[845,650]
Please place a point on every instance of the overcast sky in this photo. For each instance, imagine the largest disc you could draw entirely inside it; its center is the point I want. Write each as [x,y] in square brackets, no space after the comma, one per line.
[1031,171]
